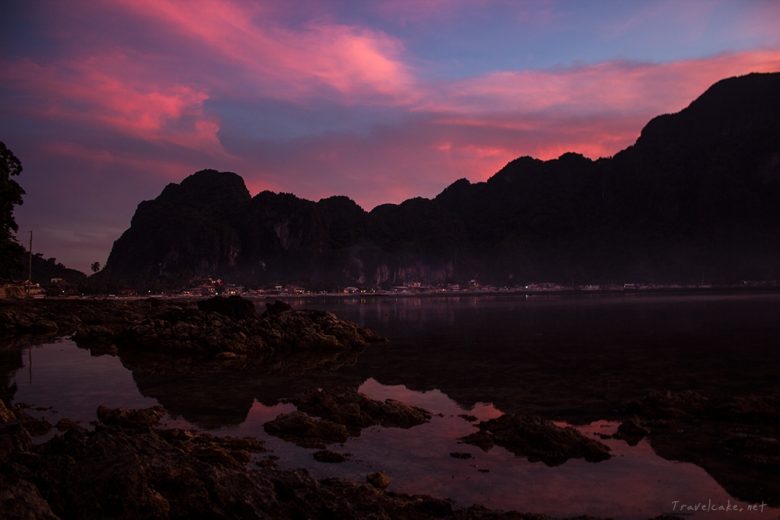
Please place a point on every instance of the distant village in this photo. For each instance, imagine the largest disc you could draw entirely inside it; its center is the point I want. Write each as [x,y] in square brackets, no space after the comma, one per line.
[212,286]
[206,287]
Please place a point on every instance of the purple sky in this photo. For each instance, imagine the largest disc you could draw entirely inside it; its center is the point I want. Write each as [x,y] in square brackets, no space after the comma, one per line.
[105,102]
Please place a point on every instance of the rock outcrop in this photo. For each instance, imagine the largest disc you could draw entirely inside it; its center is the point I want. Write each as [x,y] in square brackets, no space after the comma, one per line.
[326,417]
[537,439]
[219,327]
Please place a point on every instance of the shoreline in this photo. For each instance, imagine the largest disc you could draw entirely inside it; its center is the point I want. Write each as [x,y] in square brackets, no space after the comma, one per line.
[652,291]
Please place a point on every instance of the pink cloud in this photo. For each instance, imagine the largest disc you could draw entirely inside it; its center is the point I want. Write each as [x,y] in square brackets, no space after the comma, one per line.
[102,91]
[473,127]
[616,86]
[291,62]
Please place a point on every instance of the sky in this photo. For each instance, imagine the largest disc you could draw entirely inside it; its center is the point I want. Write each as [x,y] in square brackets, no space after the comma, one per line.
[106,102]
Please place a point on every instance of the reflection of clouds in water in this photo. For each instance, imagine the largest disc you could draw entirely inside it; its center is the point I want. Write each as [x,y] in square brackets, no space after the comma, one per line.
[258,415]
[634,483]
[74,383]
[435,401]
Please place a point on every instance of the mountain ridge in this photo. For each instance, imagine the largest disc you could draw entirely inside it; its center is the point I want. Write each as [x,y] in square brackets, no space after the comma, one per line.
[694,198]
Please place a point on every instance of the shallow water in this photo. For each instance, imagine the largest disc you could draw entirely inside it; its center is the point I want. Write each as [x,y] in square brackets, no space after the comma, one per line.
[479,356]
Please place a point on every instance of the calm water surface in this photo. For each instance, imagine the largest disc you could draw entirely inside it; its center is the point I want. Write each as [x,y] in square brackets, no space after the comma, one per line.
[481,356]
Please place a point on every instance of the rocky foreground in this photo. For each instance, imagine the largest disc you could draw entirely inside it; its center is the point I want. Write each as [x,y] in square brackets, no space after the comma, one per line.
[217,327]
[130,468]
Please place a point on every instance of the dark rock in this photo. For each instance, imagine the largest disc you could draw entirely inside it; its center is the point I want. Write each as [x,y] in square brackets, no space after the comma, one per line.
[328,456]
[467,417]
[537,439]
[229,325]
[66,424]
[152,473]
[306,431]
[234,307]
[734,438]
[305,330]
[379,480]
[461,455]
[130,418]
[343,413]
[35,426]
[658,404]
[356,411]
[277,307]
[6,415]
[434,507]
[632,431]
[14,439]
[21,500]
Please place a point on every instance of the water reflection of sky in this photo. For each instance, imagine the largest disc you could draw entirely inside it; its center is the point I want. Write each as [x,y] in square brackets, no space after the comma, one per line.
[634,483]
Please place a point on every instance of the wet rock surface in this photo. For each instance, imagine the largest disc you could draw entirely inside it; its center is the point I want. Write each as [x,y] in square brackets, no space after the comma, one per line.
[129,468]
[537,439]
[329,416]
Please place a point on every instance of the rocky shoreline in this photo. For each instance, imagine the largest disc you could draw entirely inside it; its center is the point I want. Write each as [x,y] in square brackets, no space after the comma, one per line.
[219,327]
[131,467]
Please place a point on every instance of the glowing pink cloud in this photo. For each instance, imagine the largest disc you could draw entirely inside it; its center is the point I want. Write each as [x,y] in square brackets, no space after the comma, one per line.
[603,87]
[99,91]
[352,61]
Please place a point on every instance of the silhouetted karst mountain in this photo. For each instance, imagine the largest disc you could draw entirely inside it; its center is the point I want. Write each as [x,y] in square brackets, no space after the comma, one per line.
[695,198]
[191,228]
